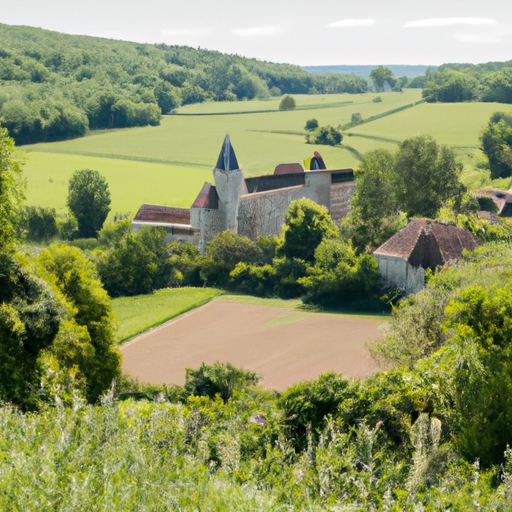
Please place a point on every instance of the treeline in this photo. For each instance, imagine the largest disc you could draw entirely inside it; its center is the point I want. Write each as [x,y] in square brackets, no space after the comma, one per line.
[491,82]
[55,86]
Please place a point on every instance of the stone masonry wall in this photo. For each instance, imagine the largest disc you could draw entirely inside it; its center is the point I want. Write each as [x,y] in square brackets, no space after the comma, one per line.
[341,194]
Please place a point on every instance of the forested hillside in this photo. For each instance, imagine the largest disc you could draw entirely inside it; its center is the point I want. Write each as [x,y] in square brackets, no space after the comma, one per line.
[55,86]
[451,83]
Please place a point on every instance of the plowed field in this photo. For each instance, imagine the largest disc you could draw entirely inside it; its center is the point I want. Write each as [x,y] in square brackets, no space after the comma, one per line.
[284,346]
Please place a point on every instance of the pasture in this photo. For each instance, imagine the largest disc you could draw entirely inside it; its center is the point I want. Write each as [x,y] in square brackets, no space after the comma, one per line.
[140,313]
[169,163]
[284,346]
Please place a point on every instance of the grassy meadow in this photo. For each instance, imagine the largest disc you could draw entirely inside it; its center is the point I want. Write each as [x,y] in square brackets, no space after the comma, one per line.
[142,312]
[168,164]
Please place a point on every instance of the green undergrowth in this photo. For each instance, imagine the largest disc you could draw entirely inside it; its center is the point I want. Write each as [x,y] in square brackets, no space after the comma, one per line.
[138,314]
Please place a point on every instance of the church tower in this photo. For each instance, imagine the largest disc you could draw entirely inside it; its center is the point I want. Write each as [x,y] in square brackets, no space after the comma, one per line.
[230,184]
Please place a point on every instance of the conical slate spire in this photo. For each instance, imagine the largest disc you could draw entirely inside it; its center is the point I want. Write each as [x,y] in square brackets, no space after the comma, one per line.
[227,160]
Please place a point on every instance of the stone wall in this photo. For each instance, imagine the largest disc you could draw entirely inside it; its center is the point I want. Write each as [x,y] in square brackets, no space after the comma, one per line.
[398,272]
[264,213]
[341,194]
[208,223]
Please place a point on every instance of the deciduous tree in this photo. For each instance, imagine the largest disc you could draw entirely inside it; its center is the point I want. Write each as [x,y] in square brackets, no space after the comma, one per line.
[89,201]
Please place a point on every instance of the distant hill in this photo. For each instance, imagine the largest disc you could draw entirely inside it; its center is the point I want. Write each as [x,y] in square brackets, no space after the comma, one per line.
[56,86]
[398,69]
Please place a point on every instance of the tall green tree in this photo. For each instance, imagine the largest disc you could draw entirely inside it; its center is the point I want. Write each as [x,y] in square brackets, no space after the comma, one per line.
[374,214]
[11,191]
[306,224]
[425,175]
[89,201]
[496,139]
[380,76]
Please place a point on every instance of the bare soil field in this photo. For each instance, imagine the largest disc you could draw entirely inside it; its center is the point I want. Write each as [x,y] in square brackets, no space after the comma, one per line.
[282,345]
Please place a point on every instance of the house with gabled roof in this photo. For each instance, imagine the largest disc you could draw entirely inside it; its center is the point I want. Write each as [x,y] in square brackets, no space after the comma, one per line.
[422,244]
[249,206]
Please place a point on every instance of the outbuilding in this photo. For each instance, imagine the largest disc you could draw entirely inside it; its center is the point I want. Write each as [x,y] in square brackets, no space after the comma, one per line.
[422,244]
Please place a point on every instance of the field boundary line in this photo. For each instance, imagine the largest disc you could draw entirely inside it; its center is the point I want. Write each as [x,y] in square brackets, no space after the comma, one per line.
[241,112]
[160,324]
[119,157]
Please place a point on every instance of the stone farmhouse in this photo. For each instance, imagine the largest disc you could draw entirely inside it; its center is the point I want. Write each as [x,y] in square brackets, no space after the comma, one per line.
[249,206]
[422,244]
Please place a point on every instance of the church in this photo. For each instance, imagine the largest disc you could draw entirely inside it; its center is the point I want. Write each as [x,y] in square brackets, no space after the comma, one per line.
[249,206]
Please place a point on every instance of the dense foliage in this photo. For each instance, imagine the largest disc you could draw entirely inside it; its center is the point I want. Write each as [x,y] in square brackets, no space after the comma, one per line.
[468,82]
[496,140]
[326,135]
[88,201]
[417,179]
[56,322]
[56,86]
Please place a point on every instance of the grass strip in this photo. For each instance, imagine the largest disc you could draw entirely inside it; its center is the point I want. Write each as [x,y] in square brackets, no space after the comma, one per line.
[141,313]
[298,305]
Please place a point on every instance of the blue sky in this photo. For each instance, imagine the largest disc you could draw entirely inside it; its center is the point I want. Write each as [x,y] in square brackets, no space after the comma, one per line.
[318,32]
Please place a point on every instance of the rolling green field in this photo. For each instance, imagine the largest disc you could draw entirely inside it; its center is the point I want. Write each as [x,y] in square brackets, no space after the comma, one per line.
[142,312]
[169,163]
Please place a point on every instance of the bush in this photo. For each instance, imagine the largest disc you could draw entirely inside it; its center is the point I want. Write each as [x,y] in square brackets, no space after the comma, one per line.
[326,135]
[340,279]
[222,379]
[356,119]
[287,103]
[222,255]
[487,204]
[41,223]
[311,124]
[136,263]
[253,280]
[377,99]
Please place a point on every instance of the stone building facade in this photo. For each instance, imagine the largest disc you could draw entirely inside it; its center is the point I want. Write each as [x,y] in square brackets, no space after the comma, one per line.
[422,244]
[249,206]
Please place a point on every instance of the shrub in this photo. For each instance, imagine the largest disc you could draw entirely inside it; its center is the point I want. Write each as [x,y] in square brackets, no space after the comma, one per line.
[136,263]
[356,119]
[311,124]
[222,255]
[253,280]
[222,379]
[487,204]
[41,223]
[326,135]
[377,99]
[287,103]
[339,278]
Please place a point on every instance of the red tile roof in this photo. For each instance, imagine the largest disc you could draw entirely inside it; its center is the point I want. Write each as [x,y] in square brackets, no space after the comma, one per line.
[164,214]
[207,198]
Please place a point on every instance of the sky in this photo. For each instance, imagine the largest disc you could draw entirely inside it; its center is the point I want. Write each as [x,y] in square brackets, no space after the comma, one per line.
[303,32]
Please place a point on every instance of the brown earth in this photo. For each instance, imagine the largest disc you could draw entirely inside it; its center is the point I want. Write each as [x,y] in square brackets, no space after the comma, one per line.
[283,346]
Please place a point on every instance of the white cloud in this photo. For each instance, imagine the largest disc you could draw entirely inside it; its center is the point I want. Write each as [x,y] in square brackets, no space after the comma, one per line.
[444,22]
[351,23]
[472,38]
[187,32]
[266,30]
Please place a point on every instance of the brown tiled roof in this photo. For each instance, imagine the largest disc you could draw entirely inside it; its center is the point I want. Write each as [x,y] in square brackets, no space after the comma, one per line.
[288,169]
[428,243]
[207,198]
[165,214]
[490,217]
